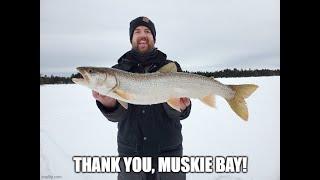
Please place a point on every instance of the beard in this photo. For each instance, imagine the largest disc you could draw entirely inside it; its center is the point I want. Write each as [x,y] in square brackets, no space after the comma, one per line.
[143,45]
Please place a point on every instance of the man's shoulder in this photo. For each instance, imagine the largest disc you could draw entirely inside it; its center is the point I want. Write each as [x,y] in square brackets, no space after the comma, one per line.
[173,61]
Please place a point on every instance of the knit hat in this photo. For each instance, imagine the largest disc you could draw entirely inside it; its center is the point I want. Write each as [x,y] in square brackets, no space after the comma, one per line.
[142,21]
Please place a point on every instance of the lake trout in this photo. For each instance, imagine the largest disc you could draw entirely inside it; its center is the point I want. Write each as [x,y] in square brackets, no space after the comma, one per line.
[166,85]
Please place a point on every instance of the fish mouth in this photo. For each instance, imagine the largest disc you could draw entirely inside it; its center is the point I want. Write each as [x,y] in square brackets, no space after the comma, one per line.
[81,77]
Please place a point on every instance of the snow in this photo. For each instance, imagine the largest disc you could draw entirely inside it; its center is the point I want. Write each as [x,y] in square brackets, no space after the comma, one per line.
[72,125]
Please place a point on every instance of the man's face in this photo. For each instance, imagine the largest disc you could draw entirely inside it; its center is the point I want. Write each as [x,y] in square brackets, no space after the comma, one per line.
[142,39]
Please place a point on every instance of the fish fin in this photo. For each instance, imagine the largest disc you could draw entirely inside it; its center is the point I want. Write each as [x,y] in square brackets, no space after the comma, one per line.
[237,103]
[123,104]
[123,94]
[174,103]
[244,90]
[170,67]
[209,100]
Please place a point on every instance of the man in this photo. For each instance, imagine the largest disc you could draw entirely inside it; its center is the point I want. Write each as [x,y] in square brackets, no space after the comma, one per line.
[145,130]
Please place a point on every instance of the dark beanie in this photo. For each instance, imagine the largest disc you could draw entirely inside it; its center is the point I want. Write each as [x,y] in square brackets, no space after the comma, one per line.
[142,21]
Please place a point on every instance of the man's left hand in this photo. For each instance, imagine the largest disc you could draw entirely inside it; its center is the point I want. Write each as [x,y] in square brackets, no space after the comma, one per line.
[182,103]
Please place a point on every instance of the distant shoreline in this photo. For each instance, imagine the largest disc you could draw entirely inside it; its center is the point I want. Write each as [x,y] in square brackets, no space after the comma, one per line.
[226,73]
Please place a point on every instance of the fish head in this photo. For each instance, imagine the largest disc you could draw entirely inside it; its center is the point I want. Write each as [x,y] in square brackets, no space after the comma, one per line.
[99,79]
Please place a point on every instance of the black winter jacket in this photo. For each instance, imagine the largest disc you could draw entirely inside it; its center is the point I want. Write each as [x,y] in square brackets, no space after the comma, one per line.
[146,130]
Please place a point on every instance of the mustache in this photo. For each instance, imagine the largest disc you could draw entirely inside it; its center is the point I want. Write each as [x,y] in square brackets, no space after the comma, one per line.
[144,39]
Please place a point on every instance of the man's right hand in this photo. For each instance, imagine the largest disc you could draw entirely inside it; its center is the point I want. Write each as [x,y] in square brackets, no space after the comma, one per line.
[106,101]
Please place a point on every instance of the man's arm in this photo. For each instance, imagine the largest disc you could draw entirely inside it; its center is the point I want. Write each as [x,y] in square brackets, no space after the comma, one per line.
[184,104]
[110,107]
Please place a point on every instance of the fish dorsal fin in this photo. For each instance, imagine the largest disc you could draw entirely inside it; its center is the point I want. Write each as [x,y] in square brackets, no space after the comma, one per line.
[123,94]
[170,67]
[209,100]
[174,103]
[123,104]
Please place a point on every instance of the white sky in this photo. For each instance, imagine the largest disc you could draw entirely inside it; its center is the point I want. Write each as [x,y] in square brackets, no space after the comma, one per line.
[206,35]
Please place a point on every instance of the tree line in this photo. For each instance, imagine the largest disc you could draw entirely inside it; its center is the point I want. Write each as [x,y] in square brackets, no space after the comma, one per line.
[44,79]
[240,73]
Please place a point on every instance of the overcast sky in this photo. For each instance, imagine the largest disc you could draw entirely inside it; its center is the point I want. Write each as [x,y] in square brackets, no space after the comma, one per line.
[205,35]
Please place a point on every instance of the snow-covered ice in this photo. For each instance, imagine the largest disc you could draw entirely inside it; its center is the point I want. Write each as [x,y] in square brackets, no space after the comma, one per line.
[72,125]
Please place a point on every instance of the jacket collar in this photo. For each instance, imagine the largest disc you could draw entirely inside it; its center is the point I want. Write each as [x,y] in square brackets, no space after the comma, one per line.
[133,59]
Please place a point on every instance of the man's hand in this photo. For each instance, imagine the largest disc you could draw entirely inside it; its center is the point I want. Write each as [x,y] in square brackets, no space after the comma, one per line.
[107,101]
[184,103]
[179,103]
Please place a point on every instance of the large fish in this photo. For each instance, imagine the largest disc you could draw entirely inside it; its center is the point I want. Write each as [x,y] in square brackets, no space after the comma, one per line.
[166,85]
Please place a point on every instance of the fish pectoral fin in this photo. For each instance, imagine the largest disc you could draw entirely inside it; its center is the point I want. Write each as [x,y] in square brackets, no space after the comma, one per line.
[170,67]
[123,94]
[209,100]
[174,103]
[123,104]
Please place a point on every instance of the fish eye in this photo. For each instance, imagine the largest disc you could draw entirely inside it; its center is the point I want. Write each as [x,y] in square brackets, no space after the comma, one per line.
[90,71]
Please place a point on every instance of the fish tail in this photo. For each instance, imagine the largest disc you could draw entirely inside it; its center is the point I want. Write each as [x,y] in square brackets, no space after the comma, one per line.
[237,103]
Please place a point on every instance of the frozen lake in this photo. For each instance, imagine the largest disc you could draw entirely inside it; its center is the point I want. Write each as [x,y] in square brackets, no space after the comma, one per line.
[72,125]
